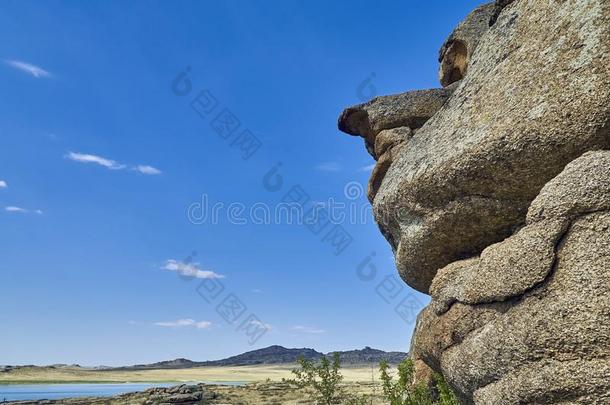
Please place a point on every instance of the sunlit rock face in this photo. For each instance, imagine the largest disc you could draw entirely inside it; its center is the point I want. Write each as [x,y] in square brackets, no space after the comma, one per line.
[494,194]
[528,321]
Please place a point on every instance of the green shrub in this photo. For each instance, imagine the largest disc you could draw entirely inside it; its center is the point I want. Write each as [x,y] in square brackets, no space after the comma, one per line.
[445,394]
[322,379]
[402,391]
[405,392]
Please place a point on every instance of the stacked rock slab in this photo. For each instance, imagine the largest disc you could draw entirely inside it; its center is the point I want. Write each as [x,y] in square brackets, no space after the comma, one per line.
[498,203]
[528,321]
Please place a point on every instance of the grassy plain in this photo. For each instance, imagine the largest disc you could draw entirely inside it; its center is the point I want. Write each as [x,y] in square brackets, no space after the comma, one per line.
[48,375]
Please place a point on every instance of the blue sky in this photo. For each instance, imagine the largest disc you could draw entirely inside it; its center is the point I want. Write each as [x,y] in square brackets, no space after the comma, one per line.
[100,161]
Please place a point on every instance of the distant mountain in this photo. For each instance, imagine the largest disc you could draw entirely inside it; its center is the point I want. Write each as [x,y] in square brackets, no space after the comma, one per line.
[280,355]
[369,355]
[269,355]
[176,363]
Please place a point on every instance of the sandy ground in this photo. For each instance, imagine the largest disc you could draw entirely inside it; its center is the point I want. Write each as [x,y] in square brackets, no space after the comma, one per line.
[205,374]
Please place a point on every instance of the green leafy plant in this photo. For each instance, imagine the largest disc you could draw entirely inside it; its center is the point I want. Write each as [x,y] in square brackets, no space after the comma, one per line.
[402,391]
[405,392]
[445,394]
[323,379]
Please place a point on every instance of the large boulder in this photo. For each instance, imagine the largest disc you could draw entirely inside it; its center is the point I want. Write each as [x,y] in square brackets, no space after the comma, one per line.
[498,205]
[536,95]
[528,321]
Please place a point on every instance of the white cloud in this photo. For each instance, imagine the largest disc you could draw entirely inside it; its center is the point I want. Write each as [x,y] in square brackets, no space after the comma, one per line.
[15,209]
[19,210]
[110,164]
[33,70]
[144,169]
[180,323]
[328,167]
[86,158]
[189,269]
[3,184]
[307,329]
[367,168]
[256,291]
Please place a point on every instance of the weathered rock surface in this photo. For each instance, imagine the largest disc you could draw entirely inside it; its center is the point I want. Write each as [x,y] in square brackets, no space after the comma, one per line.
[536,95]
[461,44]
[411,109]
[498,206]
[498,7]
[548,332]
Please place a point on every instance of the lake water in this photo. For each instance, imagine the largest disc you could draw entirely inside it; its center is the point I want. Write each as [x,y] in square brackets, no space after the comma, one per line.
[55,391]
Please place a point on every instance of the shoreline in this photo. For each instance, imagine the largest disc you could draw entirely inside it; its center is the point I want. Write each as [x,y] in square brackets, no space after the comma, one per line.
[272,392]
[58,382]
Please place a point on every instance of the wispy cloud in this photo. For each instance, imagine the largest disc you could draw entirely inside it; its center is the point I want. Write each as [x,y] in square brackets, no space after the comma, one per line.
[307,329]
[256,291]
[110,164]
[144,169]
[3,184]
[19,210]
[328,167]
[29,68]
[12,208]
[86,158]
[367,168]
[181,323]
[189,269]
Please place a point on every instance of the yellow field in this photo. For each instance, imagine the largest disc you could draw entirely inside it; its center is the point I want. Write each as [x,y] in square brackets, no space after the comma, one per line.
[212,374]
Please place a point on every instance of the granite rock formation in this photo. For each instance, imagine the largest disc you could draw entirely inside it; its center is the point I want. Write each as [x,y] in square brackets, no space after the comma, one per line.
[494,193]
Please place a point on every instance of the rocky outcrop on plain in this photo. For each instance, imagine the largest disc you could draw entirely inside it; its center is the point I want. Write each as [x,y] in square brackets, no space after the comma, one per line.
[498,205]
[197,394]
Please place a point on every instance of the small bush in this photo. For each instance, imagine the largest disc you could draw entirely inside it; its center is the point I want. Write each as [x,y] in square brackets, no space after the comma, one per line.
[445,394]
[405,392]
[323,379]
